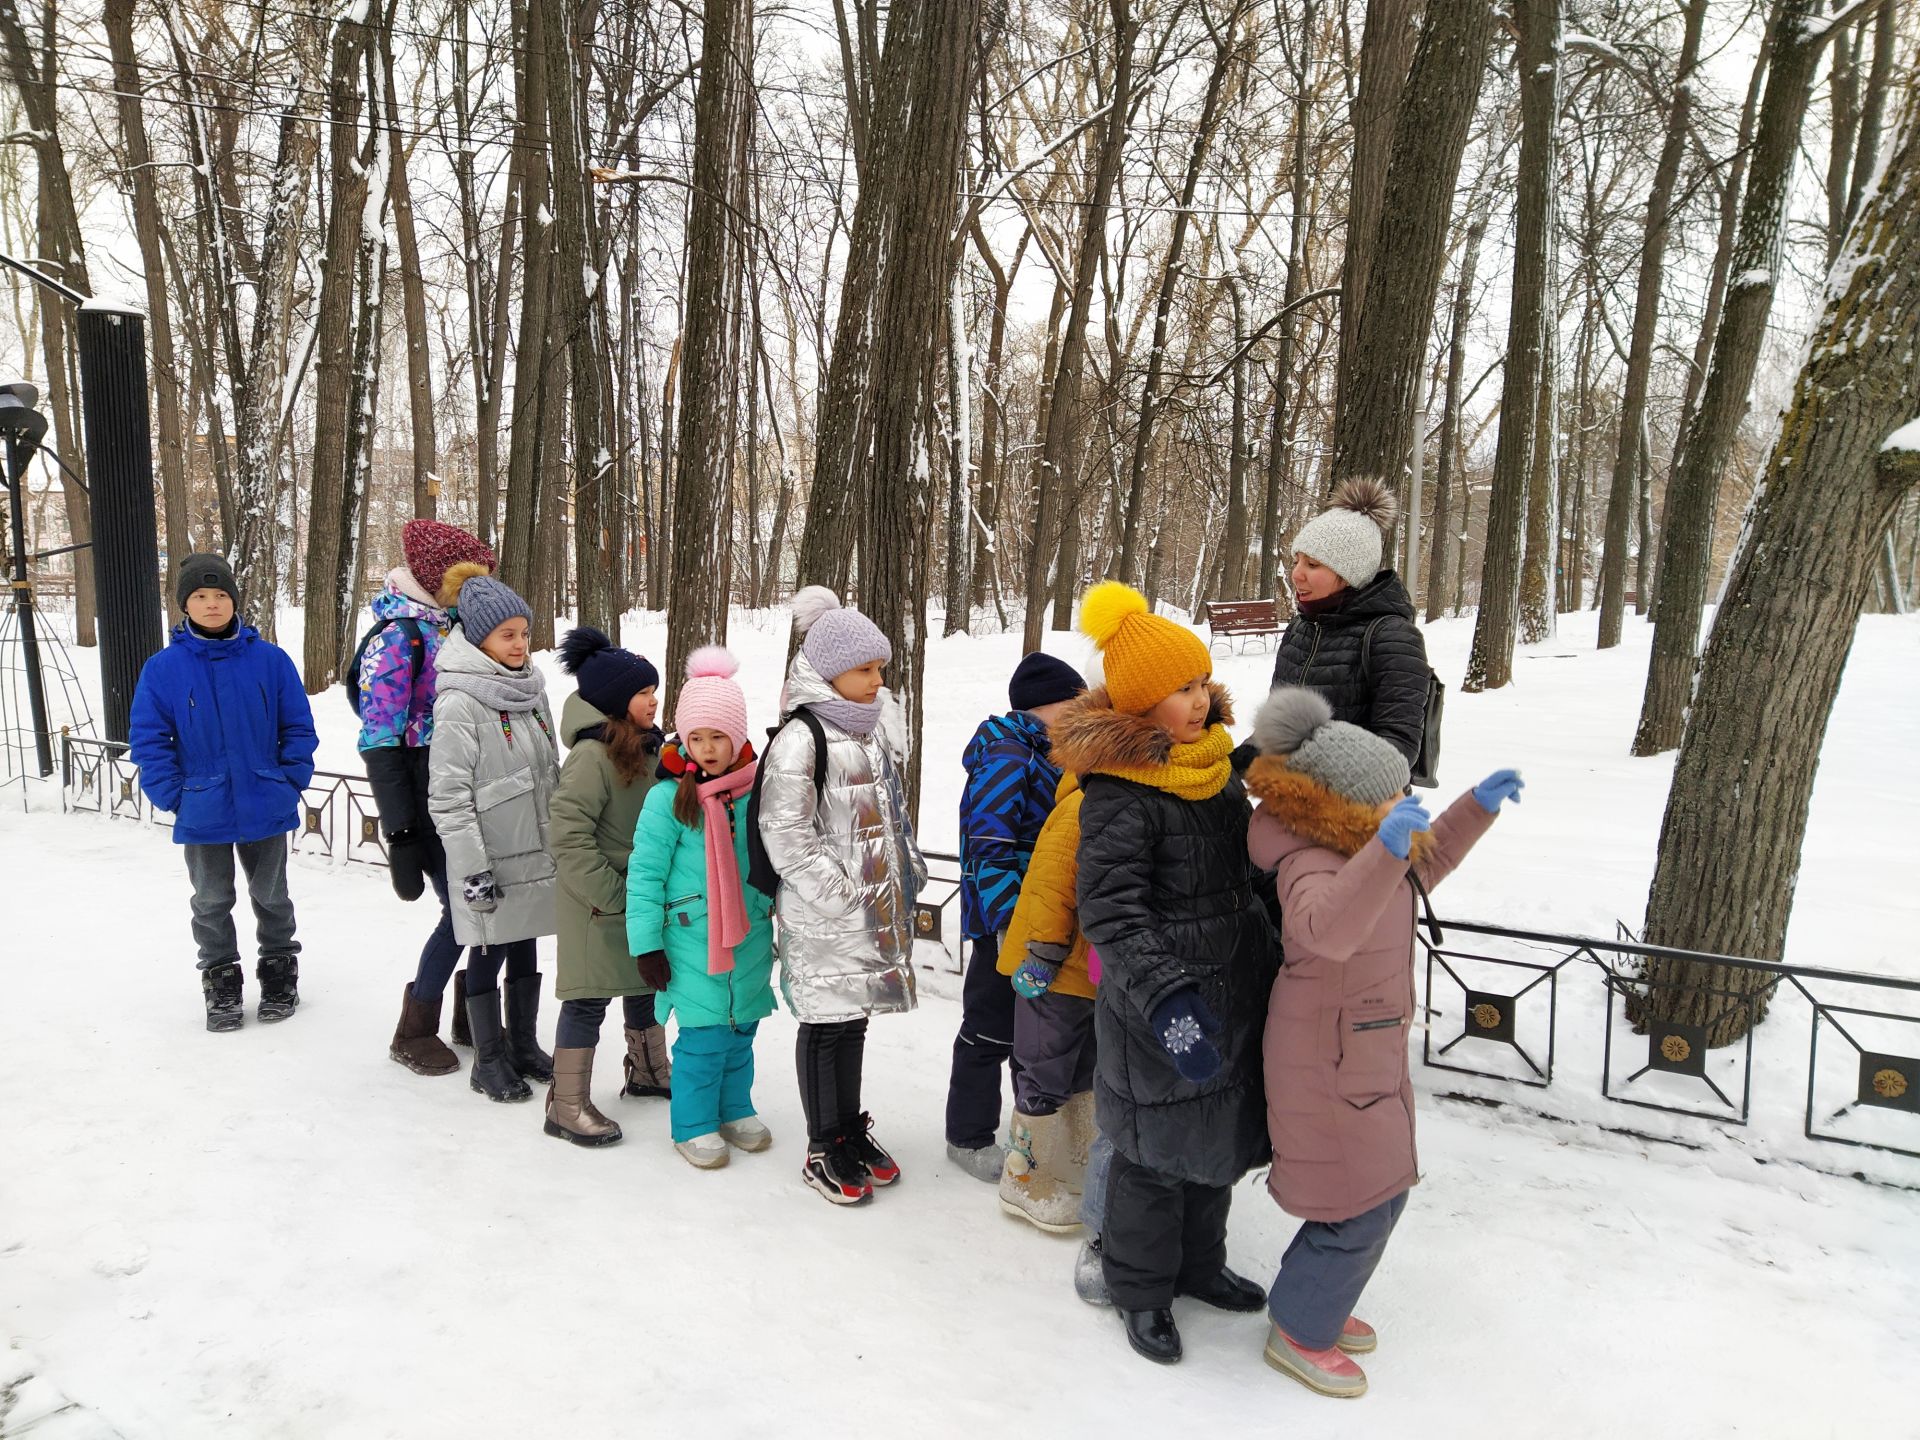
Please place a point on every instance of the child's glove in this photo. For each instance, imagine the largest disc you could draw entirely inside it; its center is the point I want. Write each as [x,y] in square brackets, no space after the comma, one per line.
[1500,785]
[1397,830]
[407,864]
[1035,976]
[654,969]
[1187,1030]
[479,893]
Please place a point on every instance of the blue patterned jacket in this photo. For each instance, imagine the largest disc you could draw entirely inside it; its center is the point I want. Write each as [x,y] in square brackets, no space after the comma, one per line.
[1008,795]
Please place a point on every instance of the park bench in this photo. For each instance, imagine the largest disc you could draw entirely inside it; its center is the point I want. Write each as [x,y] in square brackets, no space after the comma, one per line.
[1229,620]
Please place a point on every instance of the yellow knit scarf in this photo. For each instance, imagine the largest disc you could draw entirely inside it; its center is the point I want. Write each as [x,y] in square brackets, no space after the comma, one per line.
[1193,772]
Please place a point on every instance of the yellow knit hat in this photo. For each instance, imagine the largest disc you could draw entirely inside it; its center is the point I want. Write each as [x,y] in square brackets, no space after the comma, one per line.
[1146,657]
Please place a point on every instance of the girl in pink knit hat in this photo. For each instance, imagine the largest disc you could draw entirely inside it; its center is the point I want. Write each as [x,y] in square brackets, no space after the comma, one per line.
[704,937]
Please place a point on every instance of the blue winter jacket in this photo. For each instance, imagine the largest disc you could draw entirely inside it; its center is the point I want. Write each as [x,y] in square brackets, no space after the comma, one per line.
[223,736]
[1008,796]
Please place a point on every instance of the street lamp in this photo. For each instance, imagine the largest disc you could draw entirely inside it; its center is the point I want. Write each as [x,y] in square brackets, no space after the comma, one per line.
[23,427]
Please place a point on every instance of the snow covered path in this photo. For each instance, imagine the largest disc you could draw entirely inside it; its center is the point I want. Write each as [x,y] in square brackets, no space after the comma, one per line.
[281,1233]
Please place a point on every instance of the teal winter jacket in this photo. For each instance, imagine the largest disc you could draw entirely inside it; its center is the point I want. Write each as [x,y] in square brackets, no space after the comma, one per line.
[667,910]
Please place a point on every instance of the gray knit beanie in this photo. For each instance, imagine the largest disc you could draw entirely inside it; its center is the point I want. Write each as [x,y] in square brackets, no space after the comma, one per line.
[1353,763]
[484,605]
[836,639]
[1348,537]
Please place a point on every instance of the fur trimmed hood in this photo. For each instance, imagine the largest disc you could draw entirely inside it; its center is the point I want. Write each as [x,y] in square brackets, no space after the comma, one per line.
[1092,735]
[1315,815]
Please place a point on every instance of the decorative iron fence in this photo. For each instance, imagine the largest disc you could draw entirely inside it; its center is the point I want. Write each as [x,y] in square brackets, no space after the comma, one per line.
[1489,1016]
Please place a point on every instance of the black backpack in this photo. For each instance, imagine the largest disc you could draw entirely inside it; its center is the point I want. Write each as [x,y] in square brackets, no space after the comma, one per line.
[760,872]
[1426,765]
[416,655]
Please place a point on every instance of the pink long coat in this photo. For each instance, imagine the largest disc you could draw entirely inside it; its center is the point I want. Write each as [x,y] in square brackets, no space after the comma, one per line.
[1339,1091]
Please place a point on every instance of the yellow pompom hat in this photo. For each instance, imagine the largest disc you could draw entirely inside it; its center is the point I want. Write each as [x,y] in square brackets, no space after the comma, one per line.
[1145,656]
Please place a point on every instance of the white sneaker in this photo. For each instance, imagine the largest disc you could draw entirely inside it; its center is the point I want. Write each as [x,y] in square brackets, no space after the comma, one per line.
[746,1133]
[705,1152]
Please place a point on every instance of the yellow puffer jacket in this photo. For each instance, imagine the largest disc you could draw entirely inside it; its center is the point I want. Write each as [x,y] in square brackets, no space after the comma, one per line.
[1047,913]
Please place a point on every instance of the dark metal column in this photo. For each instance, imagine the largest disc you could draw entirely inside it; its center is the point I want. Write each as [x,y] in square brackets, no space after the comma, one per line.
[126,550]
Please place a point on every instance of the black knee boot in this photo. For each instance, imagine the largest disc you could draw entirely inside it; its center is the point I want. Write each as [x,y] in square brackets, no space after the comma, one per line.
[523,1041]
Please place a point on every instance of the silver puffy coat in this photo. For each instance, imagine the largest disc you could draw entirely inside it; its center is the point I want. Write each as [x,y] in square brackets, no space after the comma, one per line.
[849,868]
[488,795]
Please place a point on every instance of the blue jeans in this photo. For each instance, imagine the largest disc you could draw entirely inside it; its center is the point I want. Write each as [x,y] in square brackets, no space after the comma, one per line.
[1325,1269]
[712,1078]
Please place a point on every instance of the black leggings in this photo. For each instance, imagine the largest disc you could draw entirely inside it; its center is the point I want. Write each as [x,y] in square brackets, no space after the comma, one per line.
[830,1058]
[520,957]
[580,1020]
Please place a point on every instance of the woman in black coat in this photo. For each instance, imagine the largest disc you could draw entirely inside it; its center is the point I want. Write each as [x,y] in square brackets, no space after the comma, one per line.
[1354,639]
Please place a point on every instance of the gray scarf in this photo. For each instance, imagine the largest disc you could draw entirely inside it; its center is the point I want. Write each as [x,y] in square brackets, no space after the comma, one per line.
[515,691]
[851,716]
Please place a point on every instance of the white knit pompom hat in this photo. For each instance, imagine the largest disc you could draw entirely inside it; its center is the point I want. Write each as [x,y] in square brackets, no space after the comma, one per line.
[1348,537]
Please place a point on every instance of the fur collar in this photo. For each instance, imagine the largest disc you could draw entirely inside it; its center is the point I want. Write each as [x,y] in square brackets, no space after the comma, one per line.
[1314,813]
[1092,735]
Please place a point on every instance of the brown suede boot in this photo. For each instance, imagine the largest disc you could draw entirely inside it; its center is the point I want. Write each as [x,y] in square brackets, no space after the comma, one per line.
[416,1040]
[462,1031]
[570,1111]
[649,1071]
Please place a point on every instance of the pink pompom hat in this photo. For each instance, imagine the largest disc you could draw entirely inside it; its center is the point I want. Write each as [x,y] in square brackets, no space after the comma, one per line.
[711,699]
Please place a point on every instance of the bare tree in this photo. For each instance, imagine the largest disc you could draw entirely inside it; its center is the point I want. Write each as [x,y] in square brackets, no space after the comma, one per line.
[1737,813]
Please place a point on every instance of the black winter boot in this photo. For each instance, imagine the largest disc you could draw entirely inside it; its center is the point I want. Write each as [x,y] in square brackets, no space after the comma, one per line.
[461,1033]
[1153,1334]
[279,977]
[492,1074]
[221,986]
[523,1041]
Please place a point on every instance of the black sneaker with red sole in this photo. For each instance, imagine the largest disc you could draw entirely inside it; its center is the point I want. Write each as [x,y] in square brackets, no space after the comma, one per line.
[865,1151]
[834,1172]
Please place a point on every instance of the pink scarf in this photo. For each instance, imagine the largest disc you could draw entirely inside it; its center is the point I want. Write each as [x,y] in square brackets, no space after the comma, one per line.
[727,923]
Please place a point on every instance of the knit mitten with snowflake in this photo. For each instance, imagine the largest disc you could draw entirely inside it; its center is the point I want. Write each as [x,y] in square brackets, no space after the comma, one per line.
[1186,1030]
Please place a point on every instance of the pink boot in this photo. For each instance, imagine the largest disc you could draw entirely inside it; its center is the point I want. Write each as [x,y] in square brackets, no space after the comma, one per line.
[1357,1338]
[1327,1371]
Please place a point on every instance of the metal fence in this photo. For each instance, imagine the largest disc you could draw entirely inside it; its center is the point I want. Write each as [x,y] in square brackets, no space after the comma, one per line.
[1490,1016]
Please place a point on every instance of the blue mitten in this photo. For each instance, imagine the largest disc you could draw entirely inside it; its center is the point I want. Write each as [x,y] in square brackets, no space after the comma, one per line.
[1034,977]
[1499,786]
[1397,830]
[1187,1030]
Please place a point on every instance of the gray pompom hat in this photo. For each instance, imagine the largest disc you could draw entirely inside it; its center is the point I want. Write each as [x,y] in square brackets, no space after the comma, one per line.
[1355,764]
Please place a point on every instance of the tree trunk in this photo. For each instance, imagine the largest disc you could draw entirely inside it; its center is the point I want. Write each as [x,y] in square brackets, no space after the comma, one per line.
[527,430]
[1294,286]
[1224,53]
[1646,318]
[1449,441]
[914,159]
[1374,419]
[1387,45]
[1490,662]
[702,493]
[1686,531]
[61,252]
[1736,816]
[959,586]
[1543,480]
[337,336]
[987,512]
[169,440]
[579,275]
[413,296]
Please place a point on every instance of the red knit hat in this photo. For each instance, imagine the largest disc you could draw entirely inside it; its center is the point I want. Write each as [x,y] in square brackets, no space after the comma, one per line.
[432,549]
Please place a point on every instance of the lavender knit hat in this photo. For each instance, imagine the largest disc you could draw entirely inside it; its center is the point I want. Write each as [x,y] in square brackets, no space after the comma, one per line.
[837,639]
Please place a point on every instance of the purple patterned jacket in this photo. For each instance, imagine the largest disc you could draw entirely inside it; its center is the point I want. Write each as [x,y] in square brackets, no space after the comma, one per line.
[393,710]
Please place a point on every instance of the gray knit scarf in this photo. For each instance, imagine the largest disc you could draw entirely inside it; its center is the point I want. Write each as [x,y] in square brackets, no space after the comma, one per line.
[856,719]
[515,691]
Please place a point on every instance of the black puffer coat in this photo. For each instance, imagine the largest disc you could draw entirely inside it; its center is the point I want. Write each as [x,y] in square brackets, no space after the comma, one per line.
[1166,896]
[1323,652]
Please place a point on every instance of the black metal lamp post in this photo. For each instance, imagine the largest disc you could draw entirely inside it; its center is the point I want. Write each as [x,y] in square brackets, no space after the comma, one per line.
[23,426]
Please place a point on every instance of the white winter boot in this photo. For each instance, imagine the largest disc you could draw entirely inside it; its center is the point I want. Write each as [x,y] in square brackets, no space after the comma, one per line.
[1081,1129]
[1029,1186]
[703,1152]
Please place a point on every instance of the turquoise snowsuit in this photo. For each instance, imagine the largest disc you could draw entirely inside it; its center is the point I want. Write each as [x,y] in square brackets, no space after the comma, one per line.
[718,1014]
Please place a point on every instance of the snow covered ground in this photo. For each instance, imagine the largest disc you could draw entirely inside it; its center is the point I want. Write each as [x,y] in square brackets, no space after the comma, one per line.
[281,1233]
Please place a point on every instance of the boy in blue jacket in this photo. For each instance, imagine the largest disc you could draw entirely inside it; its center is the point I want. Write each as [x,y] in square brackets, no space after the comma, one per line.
[1008,796]
[223,736]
